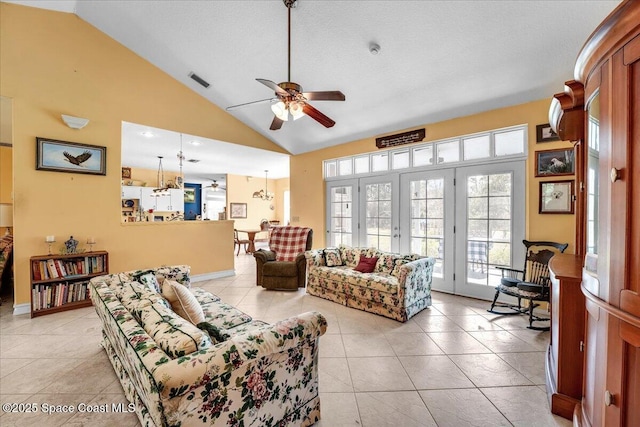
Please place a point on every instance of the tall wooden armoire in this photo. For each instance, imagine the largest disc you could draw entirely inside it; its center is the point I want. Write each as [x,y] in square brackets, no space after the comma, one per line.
[600,110]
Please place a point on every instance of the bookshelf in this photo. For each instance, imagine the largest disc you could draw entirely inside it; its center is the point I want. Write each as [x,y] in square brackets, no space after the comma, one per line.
[61,282]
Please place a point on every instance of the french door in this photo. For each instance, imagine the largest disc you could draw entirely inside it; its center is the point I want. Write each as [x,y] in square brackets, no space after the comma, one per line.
[489,220]
[342,213]
[470,219]
[380,227]
[427,221]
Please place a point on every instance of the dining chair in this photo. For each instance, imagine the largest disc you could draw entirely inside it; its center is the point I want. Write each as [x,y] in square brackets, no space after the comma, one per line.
[237,242]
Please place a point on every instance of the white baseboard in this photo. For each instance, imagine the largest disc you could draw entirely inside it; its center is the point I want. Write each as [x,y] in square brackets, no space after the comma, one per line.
[213,275]
[21,309]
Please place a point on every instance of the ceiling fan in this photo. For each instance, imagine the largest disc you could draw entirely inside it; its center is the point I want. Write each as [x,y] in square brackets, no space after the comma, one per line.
[290,99]
[214,185]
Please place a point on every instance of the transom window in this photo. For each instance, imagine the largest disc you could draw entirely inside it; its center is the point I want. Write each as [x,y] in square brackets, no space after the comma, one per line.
[499,144]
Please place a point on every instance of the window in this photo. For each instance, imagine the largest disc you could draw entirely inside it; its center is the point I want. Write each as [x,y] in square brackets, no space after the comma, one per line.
[487,146]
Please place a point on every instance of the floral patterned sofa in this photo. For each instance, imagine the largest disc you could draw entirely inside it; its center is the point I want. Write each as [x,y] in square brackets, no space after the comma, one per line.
[398,288]
[243,372]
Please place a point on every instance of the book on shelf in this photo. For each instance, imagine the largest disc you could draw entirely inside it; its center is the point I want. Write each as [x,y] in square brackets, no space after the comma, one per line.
[51,266]
[35,271]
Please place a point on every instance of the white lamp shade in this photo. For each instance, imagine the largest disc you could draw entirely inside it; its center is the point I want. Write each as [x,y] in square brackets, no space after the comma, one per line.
[295,108]
[6,215]
[280,110]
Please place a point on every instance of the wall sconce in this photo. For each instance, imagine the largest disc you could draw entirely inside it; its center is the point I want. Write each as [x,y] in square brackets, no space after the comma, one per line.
[75,122]
[6,217]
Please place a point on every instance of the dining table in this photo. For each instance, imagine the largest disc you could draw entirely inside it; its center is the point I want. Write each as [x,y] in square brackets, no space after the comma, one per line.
[251,236]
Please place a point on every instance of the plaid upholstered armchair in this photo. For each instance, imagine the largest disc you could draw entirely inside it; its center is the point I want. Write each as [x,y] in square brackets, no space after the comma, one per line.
[283,266]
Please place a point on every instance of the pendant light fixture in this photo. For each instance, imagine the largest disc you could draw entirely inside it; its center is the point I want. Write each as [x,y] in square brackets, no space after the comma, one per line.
[263,194]
[161,189]
[180,178]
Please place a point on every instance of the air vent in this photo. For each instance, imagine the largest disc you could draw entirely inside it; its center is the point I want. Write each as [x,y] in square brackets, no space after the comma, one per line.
[199,79]
[193,160]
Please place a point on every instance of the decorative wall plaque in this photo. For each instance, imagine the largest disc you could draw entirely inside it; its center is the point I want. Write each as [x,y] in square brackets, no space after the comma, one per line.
[401,138]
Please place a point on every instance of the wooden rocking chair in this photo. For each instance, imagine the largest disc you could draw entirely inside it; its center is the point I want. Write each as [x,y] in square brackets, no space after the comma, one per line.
[531,283]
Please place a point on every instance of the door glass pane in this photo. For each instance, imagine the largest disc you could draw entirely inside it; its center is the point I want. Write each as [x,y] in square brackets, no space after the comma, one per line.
[508,143]
[489,224]
[418,208]
[427,220]
[477,148]
[448,151]
[341,215]
[378,215]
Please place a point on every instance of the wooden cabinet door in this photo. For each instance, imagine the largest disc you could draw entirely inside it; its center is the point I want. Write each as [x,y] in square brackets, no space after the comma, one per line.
[612,373]
[625,329]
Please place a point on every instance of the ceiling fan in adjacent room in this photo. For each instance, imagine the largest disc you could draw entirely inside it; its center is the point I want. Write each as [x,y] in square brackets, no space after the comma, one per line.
[214,185]
[217,186]
[290,99]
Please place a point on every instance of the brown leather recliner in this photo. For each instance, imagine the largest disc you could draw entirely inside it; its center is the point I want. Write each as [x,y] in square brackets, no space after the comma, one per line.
[282,275]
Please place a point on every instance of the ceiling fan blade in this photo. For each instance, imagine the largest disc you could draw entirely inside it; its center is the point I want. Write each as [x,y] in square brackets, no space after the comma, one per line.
[233,107]
[317,116]
[329,95]
[276,123]
[277,89]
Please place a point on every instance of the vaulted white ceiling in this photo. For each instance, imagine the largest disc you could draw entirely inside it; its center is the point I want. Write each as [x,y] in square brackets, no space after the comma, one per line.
[438,59]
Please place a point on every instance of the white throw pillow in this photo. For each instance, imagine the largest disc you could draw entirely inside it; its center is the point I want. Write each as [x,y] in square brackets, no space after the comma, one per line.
[183,302]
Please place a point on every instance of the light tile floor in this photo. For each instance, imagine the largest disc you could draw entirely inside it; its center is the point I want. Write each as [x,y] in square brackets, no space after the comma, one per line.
[453,364]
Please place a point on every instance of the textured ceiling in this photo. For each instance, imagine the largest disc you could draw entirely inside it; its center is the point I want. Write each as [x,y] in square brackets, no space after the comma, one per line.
[438,59]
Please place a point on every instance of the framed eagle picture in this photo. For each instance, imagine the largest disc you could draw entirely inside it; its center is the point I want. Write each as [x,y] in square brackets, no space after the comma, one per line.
[64,156]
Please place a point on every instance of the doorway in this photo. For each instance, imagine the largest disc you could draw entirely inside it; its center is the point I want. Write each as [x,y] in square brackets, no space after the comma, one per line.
[468,218]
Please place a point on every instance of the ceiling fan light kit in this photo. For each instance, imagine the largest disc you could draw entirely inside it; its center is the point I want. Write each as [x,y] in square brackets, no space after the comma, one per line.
[290,99]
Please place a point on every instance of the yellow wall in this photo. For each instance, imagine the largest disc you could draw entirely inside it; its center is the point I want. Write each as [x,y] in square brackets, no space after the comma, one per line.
[307,187]
[6,171]
[282,185]
[150,177]
[54,63]
[240,189]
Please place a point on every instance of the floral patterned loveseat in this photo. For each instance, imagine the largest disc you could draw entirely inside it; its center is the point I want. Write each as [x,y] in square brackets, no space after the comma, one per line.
[398,288]
[243,372]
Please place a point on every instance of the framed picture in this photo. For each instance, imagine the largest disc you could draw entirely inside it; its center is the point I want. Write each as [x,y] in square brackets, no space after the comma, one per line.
[126,173]
[556,197]
[544,133]
[189,195]
[63,156]
[555,162]
[237,210]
